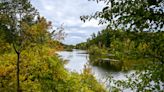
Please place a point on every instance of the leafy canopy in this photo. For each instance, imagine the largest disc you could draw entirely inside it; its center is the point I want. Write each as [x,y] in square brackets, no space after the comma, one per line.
[136,15]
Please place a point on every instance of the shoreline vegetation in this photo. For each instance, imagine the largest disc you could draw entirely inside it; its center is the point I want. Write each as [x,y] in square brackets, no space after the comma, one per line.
[133,39]
[28,62]
[127,48]
[125,51]
[42,70]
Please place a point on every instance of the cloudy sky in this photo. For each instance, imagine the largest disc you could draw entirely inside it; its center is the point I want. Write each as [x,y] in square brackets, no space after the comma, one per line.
[68,12]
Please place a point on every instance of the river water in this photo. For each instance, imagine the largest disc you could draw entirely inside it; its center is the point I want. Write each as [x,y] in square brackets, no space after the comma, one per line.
[78,58]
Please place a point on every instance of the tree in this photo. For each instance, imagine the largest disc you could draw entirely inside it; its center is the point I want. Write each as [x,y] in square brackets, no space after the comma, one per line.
[16,17]
[22,27]
[143,20]
[136,15]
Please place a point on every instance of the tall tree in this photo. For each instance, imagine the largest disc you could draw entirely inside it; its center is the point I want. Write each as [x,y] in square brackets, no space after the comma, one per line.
[14,14]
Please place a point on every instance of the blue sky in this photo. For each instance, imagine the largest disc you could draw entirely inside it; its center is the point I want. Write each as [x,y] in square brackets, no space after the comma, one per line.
[68,12]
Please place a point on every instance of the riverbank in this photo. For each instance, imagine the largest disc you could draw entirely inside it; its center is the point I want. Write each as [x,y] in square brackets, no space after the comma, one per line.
[41,70]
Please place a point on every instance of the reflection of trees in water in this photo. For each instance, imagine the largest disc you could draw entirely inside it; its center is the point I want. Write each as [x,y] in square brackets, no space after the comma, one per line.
[110,65]
[124,65]
[87,57]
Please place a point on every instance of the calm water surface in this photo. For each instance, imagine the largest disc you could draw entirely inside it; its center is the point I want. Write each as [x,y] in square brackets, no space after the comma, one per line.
[78,58]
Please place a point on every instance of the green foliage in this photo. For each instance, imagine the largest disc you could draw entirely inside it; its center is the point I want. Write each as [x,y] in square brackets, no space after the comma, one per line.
[136,15]
[94,50]
[95,54]
[38,68]
[140,41]
[42,71]
[82,46]
[141,81]
[68,47]
[140,51]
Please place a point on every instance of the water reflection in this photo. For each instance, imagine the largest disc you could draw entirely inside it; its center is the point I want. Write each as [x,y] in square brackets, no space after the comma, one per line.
[78,58]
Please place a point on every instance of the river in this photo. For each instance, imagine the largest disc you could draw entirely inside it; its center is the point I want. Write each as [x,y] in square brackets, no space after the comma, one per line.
[78,58]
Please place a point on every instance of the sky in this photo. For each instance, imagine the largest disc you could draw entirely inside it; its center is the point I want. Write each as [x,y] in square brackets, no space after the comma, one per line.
[68,12]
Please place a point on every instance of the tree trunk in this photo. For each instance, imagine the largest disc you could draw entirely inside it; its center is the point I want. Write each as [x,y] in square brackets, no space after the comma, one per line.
[18,61]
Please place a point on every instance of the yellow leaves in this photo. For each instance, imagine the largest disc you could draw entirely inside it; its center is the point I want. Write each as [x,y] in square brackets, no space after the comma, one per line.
[51,52]
[35,32]
[32,31]
[41,26]
[145,46]
[24,26]
[40,69]
[87,70]
[4,47]
[6,70]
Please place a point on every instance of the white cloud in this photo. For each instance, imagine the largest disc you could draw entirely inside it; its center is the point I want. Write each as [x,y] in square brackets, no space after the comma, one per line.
[91,23]
[76,37]
[69,12]
[49,8]
[72,21]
